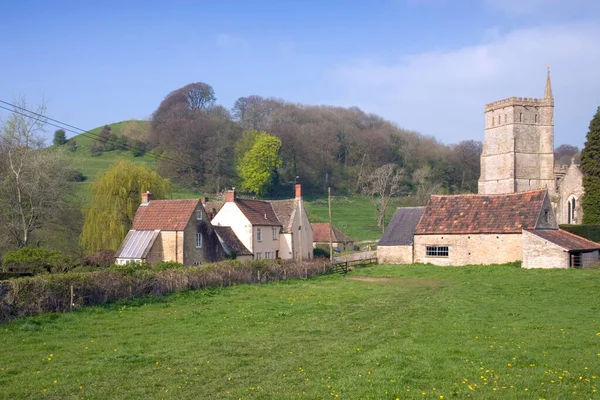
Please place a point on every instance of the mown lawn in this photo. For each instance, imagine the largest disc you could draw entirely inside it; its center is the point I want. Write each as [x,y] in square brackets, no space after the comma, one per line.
[412,332]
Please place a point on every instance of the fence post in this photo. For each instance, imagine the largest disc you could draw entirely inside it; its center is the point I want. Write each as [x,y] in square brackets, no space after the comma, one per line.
[71,302]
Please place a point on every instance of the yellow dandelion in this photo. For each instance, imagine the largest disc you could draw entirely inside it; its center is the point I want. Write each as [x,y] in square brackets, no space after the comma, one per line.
[157,363]
[55,381]
[80,387]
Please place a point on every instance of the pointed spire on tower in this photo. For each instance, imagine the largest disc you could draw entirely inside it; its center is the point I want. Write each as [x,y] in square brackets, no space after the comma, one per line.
[548,91]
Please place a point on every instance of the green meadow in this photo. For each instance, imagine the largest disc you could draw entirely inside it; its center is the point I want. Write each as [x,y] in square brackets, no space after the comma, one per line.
[408,332]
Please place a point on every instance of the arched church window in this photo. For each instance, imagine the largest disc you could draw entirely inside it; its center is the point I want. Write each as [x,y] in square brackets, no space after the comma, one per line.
[573,209]
[568,212]
[520,117]
[536,118]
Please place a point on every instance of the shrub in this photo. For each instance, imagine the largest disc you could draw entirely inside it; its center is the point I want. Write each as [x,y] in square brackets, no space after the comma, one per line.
[165,265]
[101,258]
[35,260]
[320,252]
[52,293]
[72,145]
[590,232]
[97,149]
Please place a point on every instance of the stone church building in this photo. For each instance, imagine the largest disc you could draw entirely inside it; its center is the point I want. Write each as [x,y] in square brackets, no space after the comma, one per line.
[518,154]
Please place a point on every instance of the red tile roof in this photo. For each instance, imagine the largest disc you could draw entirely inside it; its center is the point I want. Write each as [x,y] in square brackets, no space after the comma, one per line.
[258,212]
[166,215]
[566,240]
[474,213]
[321,234]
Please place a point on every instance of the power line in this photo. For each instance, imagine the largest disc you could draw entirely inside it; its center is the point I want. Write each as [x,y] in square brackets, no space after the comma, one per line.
[84,133]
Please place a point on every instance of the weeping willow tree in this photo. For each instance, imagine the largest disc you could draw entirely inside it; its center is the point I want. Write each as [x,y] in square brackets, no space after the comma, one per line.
[117,193]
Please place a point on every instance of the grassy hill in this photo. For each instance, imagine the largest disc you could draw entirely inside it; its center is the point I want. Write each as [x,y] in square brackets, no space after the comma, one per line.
[408,332]
[90,166]
[354,215]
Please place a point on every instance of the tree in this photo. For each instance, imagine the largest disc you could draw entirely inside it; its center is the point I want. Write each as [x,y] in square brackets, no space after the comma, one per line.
[381,186]
[564,153]
[34,180]
[590,167]
[116,197]
[258,166]
[59,137]
[425,184]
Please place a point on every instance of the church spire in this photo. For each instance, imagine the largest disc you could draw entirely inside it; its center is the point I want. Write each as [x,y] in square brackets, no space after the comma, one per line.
[548,91]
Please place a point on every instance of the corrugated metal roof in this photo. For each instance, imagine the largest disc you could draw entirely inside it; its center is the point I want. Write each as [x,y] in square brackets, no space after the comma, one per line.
[137,244]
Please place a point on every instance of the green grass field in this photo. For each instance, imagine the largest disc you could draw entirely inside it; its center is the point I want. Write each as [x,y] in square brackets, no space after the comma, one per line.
[401,332]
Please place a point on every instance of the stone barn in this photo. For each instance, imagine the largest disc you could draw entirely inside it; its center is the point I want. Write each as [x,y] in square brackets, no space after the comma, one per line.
[480,229]
[396,243]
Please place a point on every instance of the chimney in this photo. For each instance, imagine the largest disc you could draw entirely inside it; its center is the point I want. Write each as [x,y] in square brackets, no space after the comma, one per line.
[298,191]
[146,197]
[230,196]
[203,200]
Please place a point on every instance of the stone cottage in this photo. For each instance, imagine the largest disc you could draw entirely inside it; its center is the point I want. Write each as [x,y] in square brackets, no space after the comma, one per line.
[170,230]
[339,240]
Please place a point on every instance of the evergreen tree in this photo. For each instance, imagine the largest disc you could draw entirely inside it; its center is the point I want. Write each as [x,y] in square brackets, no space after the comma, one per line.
[59,138]
[116,197]
[590,167]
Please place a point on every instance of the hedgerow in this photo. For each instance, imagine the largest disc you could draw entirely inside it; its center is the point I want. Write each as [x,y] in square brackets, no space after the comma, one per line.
[67,291]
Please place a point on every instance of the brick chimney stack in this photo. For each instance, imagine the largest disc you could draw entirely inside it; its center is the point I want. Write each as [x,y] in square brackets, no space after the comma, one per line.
[230,196]
[203,200]
[146,197]
[298,191]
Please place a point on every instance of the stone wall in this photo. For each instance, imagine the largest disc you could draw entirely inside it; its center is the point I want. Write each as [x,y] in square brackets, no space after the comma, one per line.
[570,187]
[470,249]
[540,253]
[394,254]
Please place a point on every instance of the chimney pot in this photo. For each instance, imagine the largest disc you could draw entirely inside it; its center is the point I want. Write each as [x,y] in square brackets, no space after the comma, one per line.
[298,190]
[203,200]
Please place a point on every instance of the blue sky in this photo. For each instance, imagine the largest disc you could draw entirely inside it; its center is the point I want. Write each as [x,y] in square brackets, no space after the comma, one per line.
[427,65]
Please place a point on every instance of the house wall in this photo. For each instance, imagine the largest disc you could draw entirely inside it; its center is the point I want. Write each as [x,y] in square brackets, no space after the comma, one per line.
[540,253]
[285,246]
[193,255]
[267,244]
[302,238]
[230,215]
[168,246]
[394,254]
[470,249]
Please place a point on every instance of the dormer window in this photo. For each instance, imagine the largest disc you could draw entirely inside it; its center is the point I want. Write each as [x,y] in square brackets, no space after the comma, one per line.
[266,216]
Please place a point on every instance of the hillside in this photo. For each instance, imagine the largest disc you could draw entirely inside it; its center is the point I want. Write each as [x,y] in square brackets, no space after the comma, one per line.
[90,166]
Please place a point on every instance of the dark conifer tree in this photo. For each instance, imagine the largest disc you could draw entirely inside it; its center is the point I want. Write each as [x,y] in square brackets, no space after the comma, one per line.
[590,167]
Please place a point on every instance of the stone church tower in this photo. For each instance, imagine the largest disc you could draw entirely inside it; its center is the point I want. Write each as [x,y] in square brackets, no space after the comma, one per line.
[518,154]
[518,151]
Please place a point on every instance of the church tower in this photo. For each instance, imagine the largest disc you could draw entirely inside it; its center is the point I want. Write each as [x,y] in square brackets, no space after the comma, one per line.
[518,150]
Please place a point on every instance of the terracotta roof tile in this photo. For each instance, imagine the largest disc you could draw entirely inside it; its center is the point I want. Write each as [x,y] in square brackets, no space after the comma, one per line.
[474,213]
[321,234]
[258,212]
[166,215]
[566,240]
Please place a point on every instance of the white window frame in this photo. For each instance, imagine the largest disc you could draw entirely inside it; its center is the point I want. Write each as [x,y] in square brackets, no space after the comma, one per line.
[199,215]
[437,251]
[259,234]
[275,233]
[198,240]
[259,255]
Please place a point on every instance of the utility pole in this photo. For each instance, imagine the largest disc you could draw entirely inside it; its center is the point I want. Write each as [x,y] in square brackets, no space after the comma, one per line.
[330,228]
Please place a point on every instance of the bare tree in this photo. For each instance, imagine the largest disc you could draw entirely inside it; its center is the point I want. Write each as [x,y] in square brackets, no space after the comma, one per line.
[381,186]
[425,185]
[34,180]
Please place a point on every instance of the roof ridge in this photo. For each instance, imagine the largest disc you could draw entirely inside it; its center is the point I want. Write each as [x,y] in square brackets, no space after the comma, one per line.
[485,195]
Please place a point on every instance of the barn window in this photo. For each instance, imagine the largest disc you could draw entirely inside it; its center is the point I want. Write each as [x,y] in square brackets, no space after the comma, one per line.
[437,251]
[198,240]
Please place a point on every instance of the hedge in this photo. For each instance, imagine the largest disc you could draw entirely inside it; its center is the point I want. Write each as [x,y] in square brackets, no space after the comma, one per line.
[591,232]
[64,292]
